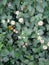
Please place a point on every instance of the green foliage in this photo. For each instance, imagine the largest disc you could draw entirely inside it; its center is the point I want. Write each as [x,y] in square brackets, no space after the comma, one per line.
[30,46]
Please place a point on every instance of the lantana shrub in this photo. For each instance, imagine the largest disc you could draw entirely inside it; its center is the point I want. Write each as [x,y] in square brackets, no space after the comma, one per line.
[24,32]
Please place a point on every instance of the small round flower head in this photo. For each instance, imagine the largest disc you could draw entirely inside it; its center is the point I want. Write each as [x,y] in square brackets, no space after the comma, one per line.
[41,41]
[39,37]
[40,23]
[38,33]
[8,20]
[12,22]
[22,8]
[24,46]
[15,31]
[3,21]
[17,12]
[44,47]
[48,44]
[21,20]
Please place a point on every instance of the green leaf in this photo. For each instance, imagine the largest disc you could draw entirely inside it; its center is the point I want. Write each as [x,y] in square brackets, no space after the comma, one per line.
[4,52]
[26,61]
[12,54]
[18,26]
[5,59]
[27,31]
[39,8]
[31,63]
[47,26]
[4,2]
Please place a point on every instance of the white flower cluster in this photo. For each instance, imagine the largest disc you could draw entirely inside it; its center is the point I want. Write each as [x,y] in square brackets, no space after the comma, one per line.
[21,20]
[40,23]
[42,41]
[46,46]
[24,46]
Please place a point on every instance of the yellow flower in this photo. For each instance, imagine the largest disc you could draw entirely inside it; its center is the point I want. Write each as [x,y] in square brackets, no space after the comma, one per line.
[10,27]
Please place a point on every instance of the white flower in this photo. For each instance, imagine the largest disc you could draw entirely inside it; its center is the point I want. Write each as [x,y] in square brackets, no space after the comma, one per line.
[40,23]
[38,33]
[3,21]
[24,46]
[42,41]
[12,22]
[22,8]
[15,31]
[21,20]
[19,37]
[8,20]
[17,12]
[44,47]
[48,44]
[39,37]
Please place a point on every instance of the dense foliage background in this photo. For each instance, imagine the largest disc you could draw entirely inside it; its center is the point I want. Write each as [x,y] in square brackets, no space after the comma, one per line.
[24,32]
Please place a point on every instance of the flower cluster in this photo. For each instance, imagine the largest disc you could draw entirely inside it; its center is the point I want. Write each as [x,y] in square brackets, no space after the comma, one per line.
[24,32]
